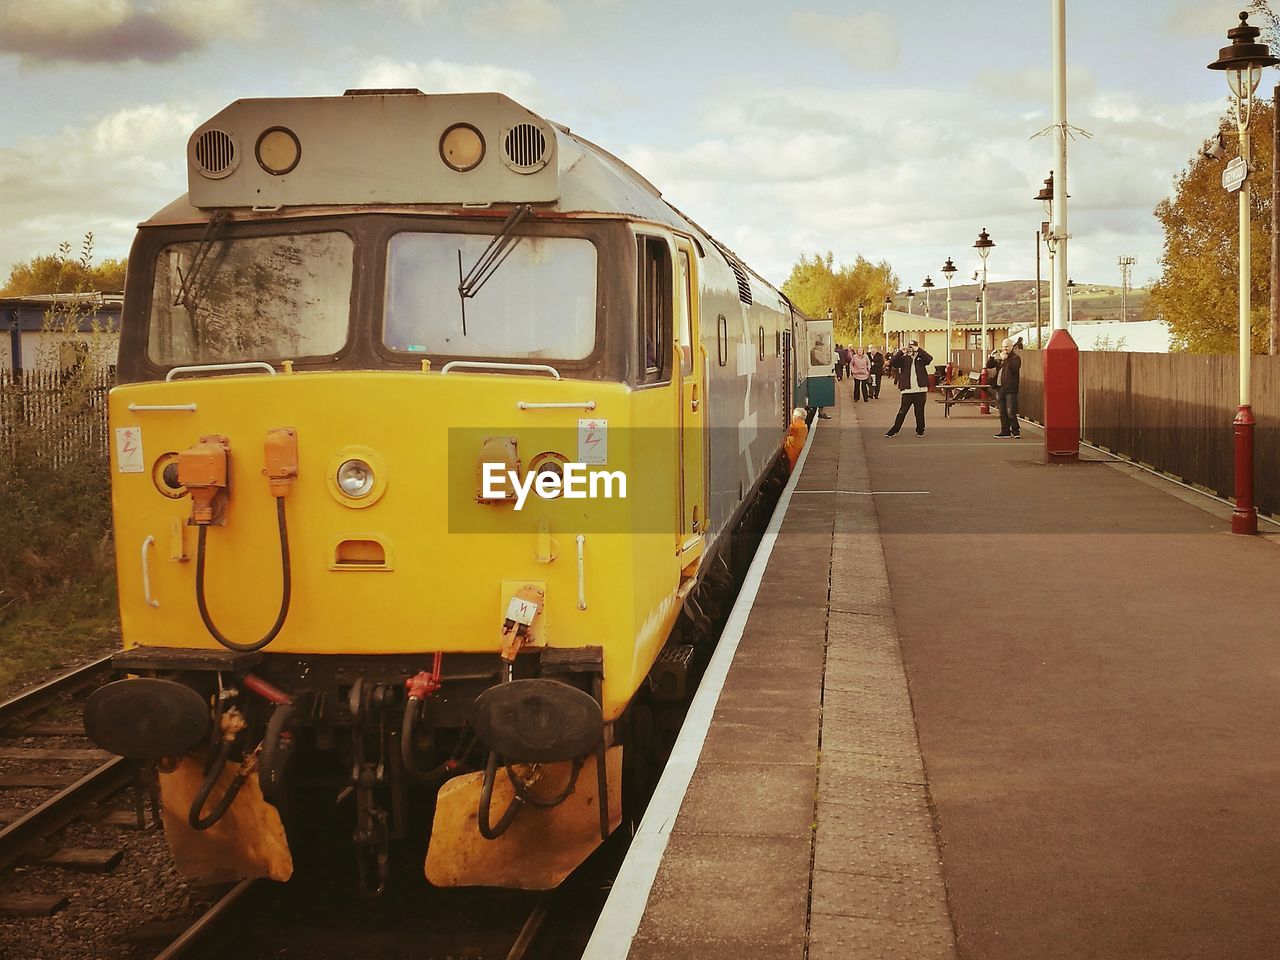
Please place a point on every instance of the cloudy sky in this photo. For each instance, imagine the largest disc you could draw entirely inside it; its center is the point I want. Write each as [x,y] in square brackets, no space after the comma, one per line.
[865,126]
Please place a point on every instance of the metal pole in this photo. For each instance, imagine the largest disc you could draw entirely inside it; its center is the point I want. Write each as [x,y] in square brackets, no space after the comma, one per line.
[985,348]
[1061,360]
[948,327]
[1274,339]
[1244,518]
[1058,283]
[1039,322]
[860,343]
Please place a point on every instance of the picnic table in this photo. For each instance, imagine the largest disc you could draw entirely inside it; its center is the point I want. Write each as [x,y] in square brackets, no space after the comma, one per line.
[971,392]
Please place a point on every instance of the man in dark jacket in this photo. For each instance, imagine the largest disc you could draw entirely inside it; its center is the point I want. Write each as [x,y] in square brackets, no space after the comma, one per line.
[912,370]
[877,371]
[1007,365]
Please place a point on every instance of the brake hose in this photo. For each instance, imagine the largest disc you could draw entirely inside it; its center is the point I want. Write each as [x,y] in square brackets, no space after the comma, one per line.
[285,593]
[486,799]
[194,817]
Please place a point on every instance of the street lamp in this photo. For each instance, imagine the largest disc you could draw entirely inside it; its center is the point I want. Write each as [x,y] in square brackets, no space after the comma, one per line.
[948,271]
[911,299]
[1243,60]
[928,285]
[860,343]
[1046,197]
[1071,302]
[984,243]
[888,305]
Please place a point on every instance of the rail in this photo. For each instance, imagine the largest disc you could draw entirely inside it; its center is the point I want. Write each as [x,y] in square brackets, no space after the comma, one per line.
[209,924]
[37,698]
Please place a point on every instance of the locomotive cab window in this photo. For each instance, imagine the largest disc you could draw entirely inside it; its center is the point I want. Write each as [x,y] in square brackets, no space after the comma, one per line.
[653,307]
[251,298]
[538,304]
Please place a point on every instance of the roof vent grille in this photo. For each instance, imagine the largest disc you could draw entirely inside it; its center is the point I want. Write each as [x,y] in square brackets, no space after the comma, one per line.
[525,148]
[216,154]
[744,285]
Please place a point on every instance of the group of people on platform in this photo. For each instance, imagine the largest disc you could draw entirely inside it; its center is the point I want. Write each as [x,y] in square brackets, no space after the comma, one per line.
[865,366]
[909,369]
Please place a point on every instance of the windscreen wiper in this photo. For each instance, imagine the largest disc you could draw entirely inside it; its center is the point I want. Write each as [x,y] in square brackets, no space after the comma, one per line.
[186,295]
[499,249]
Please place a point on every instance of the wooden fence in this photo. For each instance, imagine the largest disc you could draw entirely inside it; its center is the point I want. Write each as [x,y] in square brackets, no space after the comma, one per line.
[56,415]
[1173,412]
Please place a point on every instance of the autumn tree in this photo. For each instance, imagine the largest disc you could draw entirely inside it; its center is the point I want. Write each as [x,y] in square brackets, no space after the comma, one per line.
[1198,293]
[63,273]
[816,285]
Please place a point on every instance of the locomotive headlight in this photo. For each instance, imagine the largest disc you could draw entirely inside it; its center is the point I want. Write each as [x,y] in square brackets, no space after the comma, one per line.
[355,478]
[278,151]
[462,147]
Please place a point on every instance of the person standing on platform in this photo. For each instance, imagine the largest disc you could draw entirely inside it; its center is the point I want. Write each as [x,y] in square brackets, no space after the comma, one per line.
[838,369]
[1007,365]
[860,369]
[877,371]
[912,369]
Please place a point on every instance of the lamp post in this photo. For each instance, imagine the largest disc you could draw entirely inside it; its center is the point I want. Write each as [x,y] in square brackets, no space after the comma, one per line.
[948,271]
[928,285]
[860,343]
[1071,303]
[888,305]
[1046,197]
[1243,60]
[984,243]
[911,299]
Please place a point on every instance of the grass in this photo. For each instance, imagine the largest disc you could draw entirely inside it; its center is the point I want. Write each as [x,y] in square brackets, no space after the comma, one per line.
[72,625]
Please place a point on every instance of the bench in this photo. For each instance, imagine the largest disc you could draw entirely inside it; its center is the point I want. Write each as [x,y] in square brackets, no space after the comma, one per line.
[971,392]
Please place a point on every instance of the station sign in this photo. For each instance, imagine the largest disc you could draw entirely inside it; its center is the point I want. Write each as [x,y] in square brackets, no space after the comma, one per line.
[1235,174]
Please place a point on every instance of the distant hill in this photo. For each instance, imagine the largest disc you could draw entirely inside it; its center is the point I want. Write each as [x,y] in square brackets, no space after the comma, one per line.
[1014,301]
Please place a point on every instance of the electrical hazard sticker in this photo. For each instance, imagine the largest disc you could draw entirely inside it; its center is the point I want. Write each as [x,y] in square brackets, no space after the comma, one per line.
[521,611]
[593,440]
[129,450]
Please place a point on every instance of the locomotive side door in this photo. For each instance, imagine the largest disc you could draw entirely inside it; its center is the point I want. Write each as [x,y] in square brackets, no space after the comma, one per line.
[692,399]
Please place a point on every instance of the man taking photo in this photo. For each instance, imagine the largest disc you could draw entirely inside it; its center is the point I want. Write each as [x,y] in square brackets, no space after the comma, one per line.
[1007,364]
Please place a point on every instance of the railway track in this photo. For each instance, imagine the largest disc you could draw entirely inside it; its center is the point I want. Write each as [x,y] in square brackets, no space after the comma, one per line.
[38,757]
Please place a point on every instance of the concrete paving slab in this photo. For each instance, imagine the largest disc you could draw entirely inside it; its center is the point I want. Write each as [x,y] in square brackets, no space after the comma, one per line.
[899,900]
[839,938]
[749,799]
[768,878]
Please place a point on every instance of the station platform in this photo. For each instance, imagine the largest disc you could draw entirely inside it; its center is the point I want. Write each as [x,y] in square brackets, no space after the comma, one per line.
[971,705]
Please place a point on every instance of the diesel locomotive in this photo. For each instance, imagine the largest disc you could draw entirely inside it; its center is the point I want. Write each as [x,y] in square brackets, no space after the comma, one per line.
[364,310]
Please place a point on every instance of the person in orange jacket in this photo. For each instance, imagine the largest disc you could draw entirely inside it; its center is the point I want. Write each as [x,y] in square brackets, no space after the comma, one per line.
[797,432]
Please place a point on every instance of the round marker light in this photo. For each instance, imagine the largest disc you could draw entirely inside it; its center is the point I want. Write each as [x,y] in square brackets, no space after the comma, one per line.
[278,151]
[355,478]
[462,147]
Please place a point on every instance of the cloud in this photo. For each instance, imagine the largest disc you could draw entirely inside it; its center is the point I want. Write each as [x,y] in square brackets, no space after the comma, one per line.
[868,40]
[105,177]
[777,172]
[1207,19]
[1034,84]
[114,31]
[521,16]
[439,76]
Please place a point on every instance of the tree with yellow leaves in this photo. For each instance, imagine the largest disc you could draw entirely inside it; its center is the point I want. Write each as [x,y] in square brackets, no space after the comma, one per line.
[1198,293]
[817,285]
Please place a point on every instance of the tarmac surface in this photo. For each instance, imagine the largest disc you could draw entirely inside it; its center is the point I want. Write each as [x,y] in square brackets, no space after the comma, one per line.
[981,708]
[1093,661]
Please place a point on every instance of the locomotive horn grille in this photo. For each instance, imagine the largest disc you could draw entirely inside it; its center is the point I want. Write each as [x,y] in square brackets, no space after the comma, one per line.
[215,153]
[525,147]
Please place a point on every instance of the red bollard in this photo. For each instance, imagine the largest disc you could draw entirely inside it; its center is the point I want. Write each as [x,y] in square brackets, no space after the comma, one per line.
[983,407]
[1061,399]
